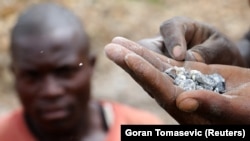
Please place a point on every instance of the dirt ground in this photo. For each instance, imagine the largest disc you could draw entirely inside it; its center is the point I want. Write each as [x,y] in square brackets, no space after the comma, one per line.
[133,19]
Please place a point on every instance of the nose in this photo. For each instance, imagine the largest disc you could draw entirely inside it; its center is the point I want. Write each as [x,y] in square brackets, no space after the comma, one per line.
[51,87]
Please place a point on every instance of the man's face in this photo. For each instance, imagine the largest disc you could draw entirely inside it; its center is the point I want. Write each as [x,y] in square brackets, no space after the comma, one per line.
[53,80]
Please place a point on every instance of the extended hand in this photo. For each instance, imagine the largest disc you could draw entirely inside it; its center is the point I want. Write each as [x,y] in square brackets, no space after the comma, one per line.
[187,107]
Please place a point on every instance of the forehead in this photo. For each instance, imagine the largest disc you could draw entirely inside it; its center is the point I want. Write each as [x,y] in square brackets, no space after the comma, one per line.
[55,49]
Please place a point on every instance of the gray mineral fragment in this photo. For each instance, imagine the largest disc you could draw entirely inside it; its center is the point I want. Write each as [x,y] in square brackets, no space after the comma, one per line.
[195,80]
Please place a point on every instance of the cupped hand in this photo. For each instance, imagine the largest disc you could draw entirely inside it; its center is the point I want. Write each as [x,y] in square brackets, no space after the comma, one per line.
[182,38]
[187,107]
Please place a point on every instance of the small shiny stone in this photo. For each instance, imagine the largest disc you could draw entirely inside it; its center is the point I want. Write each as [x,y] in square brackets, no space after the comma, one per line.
[187,84]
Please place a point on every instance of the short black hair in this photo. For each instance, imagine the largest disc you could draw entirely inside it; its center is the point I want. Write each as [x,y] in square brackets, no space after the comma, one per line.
[42,18]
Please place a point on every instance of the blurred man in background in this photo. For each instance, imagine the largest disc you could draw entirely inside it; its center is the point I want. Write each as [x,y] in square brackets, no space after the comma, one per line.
[53,65]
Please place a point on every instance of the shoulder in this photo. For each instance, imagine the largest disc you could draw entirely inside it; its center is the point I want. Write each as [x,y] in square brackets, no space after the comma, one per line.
[133,115]
[8,121]
[9,117]
[13,127]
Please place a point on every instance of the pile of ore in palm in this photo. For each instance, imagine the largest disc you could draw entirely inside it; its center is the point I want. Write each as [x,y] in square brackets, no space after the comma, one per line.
[195,80]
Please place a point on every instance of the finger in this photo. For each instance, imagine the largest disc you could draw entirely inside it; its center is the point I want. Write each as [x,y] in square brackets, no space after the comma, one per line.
[173,34]
[190,101]
[217,108]
[116,53]
[194,56]
[154,58]
[210,51]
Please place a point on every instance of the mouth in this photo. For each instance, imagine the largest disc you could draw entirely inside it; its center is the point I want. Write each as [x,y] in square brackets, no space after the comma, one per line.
[54,113]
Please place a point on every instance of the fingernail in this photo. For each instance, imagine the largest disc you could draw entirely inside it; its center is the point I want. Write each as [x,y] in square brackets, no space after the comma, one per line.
[194,56]
[126,43]
[117,39]
[113,51]
[188,105]
[190,56]
[112,48]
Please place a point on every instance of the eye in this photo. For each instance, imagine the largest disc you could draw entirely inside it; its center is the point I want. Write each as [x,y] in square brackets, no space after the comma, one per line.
[31,76]
[66,71]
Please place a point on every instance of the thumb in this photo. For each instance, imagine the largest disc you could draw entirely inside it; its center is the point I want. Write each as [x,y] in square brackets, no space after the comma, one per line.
[216,108]
[202,101]
[210,51]
[194,56]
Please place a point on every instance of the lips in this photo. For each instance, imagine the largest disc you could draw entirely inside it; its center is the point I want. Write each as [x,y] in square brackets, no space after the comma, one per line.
[54,113]
[56,109]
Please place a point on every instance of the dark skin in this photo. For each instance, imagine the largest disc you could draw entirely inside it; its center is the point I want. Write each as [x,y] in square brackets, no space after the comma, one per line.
[187,107]
[244,47]
[182,38]
[190,44]
[53,80]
